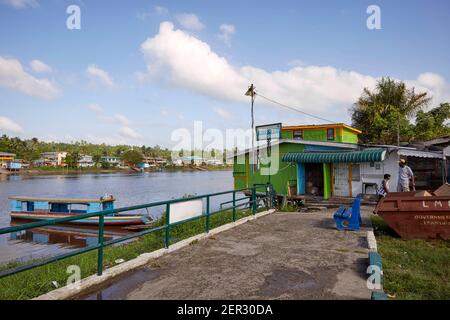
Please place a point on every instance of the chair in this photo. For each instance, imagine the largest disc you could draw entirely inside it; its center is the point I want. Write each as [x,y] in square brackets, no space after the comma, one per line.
[349,218]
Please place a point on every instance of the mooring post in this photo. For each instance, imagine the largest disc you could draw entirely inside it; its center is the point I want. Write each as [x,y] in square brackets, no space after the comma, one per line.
[100,243]
[167,235]
[207,215]
[234,206]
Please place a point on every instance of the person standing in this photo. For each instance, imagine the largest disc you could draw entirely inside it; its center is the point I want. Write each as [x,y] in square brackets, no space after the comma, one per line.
[404,175]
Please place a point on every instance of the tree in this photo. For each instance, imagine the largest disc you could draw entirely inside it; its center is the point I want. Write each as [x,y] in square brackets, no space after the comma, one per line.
[72,159]
[97,159]
[381,113]
[132,157]
[431,124]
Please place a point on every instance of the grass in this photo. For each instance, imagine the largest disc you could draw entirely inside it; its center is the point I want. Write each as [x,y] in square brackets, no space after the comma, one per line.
[37,281]
[413,269]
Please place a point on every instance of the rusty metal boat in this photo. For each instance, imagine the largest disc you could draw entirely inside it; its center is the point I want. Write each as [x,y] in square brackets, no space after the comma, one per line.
[417,215]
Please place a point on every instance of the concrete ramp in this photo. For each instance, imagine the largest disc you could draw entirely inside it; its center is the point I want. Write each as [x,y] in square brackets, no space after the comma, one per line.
[278,256]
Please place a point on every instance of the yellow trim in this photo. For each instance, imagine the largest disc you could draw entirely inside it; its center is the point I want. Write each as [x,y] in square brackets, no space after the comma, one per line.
[60,200]
[322,126]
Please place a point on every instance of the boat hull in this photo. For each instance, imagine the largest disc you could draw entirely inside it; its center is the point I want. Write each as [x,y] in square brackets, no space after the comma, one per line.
[413,217]
[119,220]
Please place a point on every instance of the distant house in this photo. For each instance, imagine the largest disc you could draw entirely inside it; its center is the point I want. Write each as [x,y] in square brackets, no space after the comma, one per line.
[54,158]
[154,161]
[214,162]
[177,162]
[85,161]
[111,160]
[195,160]
[13,165]
[6,157]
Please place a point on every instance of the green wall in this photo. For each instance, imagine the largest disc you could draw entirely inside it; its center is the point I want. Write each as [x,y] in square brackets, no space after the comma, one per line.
[286,171]
[349,136]
[342,134]
[326,180]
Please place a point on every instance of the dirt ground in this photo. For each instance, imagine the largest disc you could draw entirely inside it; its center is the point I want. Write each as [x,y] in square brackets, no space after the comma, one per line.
[279,256]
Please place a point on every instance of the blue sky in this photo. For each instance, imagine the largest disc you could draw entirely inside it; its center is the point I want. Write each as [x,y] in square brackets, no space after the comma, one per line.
[138,70]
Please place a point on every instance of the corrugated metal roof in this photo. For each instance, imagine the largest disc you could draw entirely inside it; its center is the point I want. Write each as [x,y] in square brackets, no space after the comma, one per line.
[368,155]
[420,154]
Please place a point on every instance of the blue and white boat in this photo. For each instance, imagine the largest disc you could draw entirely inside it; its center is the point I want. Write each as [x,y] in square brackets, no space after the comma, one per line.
[47,209]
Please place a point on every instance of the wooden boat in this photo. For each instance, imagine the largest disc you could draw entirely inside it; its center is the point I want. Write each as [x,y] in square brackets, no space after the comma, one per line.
[47,209]
[417,215]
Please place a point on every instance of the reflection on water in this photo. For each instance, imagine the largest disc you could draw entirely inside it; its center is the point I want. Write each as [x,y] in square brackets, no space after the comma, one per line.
[129,189]
[72,237]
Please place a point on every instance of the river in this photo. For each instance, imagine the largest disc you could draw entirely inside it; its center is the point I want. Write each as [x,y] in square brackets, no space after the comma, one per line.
[128,189]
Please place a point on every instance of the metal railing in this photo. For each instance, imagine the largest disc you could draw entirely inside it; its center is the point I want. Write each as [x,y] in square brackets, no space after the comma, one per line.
[253,203]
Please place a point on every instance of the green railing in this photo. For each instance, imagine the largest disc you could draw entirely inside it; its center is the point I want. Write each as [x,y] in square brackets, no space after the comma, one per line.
[253,203]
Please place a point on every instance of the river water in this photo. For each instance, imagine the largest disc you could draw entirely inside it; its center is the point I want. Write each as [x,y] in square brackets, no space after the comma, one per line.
[128,189]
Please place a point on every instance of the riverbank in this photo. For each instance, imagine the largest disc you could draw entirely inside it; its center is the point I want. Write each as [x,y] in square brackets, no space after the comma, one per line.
[413,269]
[40,280]
[61,171]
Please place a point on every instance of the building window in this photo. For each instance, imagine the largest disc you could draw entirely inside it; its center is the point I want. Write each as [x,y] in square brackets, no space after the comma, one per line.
[298,134]
[356,172]
[330,134]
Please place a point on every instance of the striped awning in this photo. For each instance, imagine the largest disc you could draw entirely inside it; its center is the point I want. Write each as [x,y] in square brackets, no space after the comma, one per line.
[368,155]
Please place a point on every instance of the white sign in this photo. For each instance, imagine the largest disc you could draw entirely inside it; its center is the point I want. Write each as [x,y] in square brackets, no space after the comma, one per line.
[185,210]
[270,131]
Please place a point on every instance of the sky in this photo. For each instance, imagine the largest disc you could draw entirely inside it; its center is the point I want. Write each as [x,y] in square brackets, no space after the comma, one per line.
[137,71]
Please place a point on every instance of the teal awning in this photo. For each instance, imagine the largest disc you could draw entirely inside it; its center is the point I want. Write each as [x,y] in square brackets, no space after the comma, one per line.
[368,155]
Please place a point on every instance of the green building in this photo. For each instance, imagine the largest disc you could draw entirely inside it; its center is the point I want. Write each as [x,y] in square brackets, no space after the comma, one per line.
[309,159]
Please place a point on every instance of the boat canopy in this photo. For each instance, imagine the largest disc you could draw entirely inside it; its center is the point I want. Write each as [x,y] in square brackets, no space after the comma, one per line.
[26,204]
[68,201]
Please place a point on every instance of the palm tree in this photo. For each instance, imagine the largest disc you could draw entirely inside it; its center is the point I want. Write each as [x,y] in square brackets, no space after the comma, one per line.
[383,114]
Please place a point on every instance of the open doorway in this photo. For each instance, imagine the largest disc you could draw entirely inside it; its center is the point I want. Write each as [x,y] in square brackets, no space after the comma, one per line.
[314,179]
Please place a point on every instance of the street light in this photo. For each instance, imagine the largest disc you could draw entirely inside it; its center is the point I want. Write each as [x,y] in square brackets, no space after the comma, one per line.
[251,93]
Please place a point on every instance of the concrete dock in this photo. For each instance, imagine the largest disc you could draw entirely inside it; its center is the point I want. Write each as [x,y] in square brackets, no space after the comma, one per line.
[278,256]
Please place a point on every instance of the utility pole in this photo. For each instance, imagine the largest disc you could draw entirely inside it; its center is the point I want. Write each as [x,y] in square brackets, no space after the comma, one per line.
[398,137]
[252,94]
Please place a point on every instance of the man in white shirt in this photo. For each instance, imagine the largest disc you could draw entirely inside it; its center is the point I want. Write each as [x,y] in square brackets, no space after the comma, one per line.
[404,175]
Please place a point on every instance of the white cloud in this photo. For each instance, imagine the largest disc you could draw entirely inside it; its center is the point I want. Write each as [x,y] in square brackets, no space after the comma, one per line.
[121,119]
[7,124]
[434,84]
[20,4]
[226,31]
[296,63]
[223,113]
[190,21]
[98,75]
[117,119]
[12,75]
[160,10]
[128,132]
[157,11]
[39,66]
[94,107]
[316,89]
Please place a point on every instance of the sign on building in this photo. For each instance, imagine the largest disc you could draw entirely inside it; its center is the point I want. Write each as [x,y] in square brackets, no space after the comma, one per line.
[268,132]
